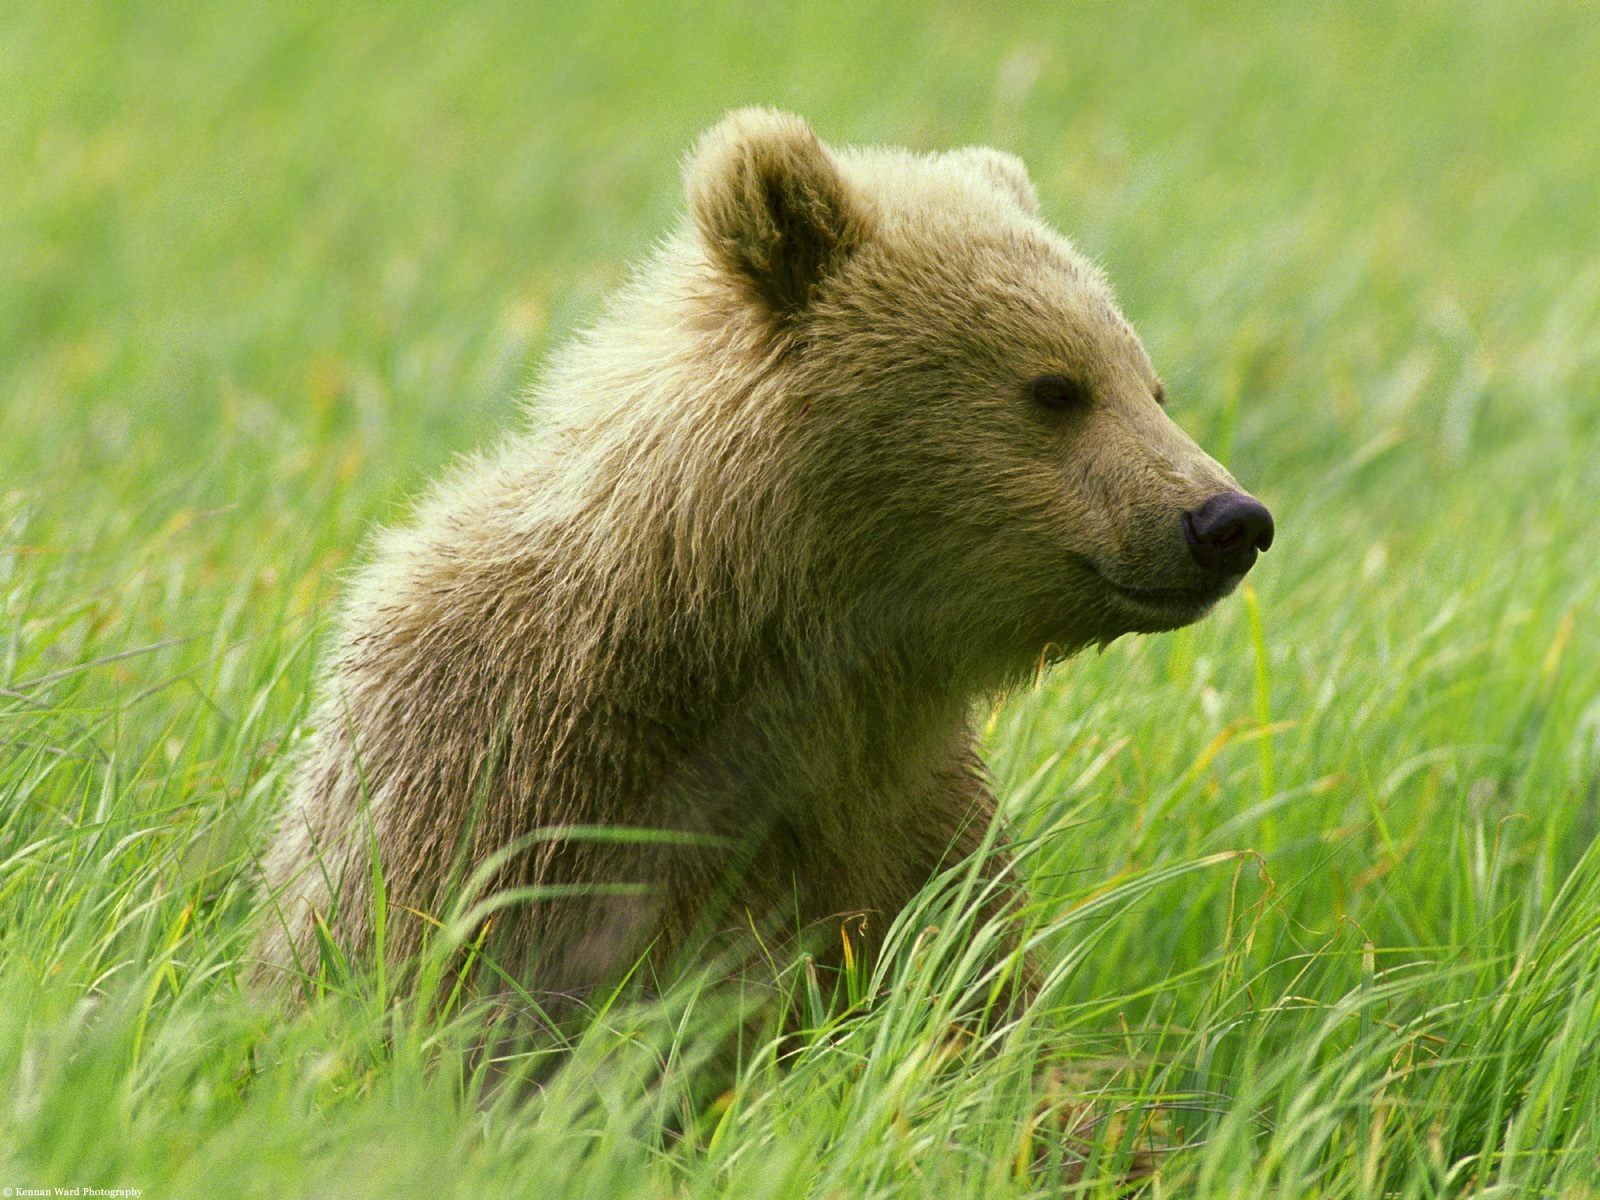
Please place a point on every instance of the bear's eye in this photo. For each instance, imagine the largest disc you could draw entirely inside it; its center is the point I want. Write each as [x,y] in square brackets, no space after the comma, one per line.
[1057,392]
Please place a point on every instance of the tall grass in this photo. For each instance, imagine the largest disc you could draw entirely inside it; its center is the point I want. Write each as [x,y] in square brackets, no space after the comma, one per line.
[1315,882]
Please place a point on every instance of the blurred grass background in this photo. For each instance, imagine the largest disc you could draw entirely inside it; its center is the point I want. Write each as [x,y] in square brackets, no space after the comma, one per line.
[263,269]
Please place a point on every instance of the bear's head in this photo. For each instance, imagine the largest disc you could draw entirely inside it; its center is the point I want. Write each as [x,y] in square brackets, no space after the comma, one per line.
[978,438]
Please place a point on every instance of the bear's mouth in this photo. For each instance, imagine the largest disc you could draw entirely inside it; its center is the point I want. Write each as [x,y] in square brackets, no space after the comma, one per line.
[1171,606]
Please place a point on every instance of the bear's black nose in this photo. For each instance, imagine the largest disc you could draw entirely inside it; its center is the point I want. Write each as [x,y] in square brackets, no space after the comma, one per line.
[1225,532]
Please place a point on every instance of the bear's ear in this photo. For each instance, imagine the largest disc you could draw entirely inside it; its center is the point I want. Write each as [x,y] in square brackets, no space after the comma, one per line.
[770,202]
[1004,171]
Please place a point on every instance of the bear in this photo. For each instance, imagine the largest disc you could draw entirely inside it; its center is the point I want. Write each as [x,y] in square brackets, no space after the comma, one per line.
[697,649]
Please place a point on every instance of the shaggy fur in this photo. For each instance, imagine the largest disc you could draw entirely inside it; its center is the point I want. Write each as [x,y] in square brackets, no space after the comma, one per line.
[779,519]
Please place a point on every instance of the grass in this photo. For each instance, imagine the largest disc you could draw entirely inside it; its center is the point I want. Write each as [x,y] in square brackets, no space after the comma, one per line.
[1317,879]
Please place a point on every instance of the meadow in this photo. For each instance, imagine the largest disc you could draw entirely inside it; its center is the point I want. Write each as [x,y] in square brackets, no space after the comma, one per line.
[1317,880]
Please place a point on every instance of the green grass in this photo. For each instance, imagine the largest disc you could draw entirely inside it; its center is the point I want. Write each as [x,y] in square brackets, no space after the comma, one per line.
[1317,880]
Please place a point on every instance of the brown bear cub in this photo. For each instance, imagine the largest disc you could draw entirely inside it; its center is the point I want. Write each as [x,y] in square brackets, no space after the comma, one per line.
[866,442]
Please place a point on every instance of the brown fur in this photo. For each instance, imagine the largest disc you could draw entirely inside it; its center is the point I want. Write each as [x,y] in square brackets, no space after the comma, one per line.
[780,518]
